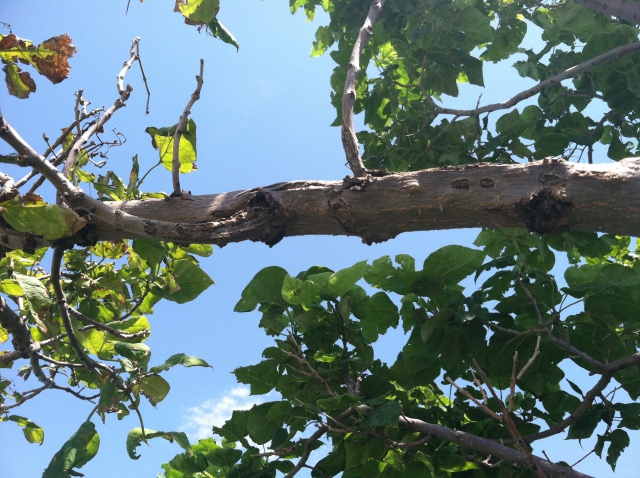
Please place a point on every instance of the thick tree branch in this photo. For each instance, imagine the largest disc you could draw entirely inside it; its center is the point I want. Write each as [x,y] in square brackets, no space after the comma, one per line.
[623,9]
[545,196]
[349,139]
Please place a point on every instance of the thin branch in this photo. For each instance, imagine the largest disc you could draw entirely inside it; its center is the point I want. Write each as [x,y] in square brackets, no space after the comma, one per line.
[349,138]
[553,80]
[301,359]
[195,96]
[479,404]
[511,426]
[106,328]
[63,309]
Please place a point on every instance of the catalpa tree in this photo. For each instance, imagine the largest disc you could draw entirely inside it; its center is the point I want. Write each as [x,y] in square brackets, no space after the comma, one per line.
[492,338]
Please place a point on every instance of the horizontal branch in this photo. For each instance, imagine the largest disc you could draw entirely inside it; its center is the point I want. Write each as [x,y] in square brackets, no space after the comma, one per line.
[546,196]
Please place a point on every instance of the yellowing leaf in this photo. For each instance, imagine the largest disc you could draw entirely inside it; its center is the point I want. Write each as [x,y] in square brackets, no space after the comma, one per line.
[162,140]
[198,11]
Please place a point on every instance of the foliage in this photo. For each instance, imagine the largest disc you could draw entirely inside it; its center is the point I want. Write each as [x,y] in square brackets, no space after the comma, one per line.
[509,328]
[492,324]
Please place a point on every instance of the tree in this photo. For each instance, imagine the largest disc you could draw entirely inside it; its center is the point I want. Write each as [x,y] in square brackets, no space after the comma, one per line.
[501,344]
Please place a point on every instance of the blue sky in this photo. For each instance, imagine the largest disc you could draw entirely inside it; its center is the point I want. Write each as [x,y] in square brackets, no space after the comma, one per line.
[264,117]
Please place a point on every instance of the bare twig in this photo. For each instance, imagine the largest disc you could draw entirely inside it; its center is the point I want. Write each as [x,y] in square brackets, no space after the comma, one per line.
[195,96]
[123,91]
[349,138]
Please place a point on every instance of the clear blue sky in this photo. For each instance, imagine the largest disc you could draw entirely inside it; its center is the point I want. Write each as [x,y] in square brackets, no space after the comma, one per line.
[264,117]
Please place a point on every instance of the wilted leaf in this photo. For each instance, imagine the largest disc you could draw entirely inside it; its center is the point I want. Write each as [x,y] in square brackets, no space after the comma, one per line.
[136,436]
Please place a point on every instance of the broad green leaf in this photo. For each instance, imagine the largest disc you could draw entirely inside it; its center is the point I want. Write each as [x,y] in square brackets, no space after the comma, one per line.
[75,453]
[180,359]
[11,287]
[295,291]
[261,428]
[341,281]
[453,263]
[377,315]
[191,281]
[162,140]
[139,353]
[35,293]
[150,250]
[109,397]
[32,432]
[262,377]
[586,424]
[48,220]
[265,287]
[386,414]
[136,436]
[155,388]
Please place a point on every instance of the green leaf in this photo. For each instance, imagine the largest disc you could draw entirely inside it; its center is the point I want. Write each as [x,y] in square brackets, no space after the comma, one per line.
[151,251]
[262,377]
[155,388]
[32,432]
[265,287]
[296,291]
[180,359]
[377,315]
[75,453]
[386,414]
[453,263]
[109,397]
[11,287]
[261,428]
[218,30]
[139,353]
[162,140]
[586,424]
[48,220]
[136,436]
[343,280]
[191,281]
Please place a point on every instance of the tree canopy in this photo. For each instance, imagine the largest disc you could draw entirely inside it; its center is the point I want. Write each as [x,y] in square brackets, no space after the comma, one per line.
[530,334]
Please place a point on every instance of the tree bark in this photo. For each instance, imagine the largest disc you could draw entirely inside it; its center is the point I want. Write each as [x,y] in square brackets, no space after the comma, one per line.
[546,196]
